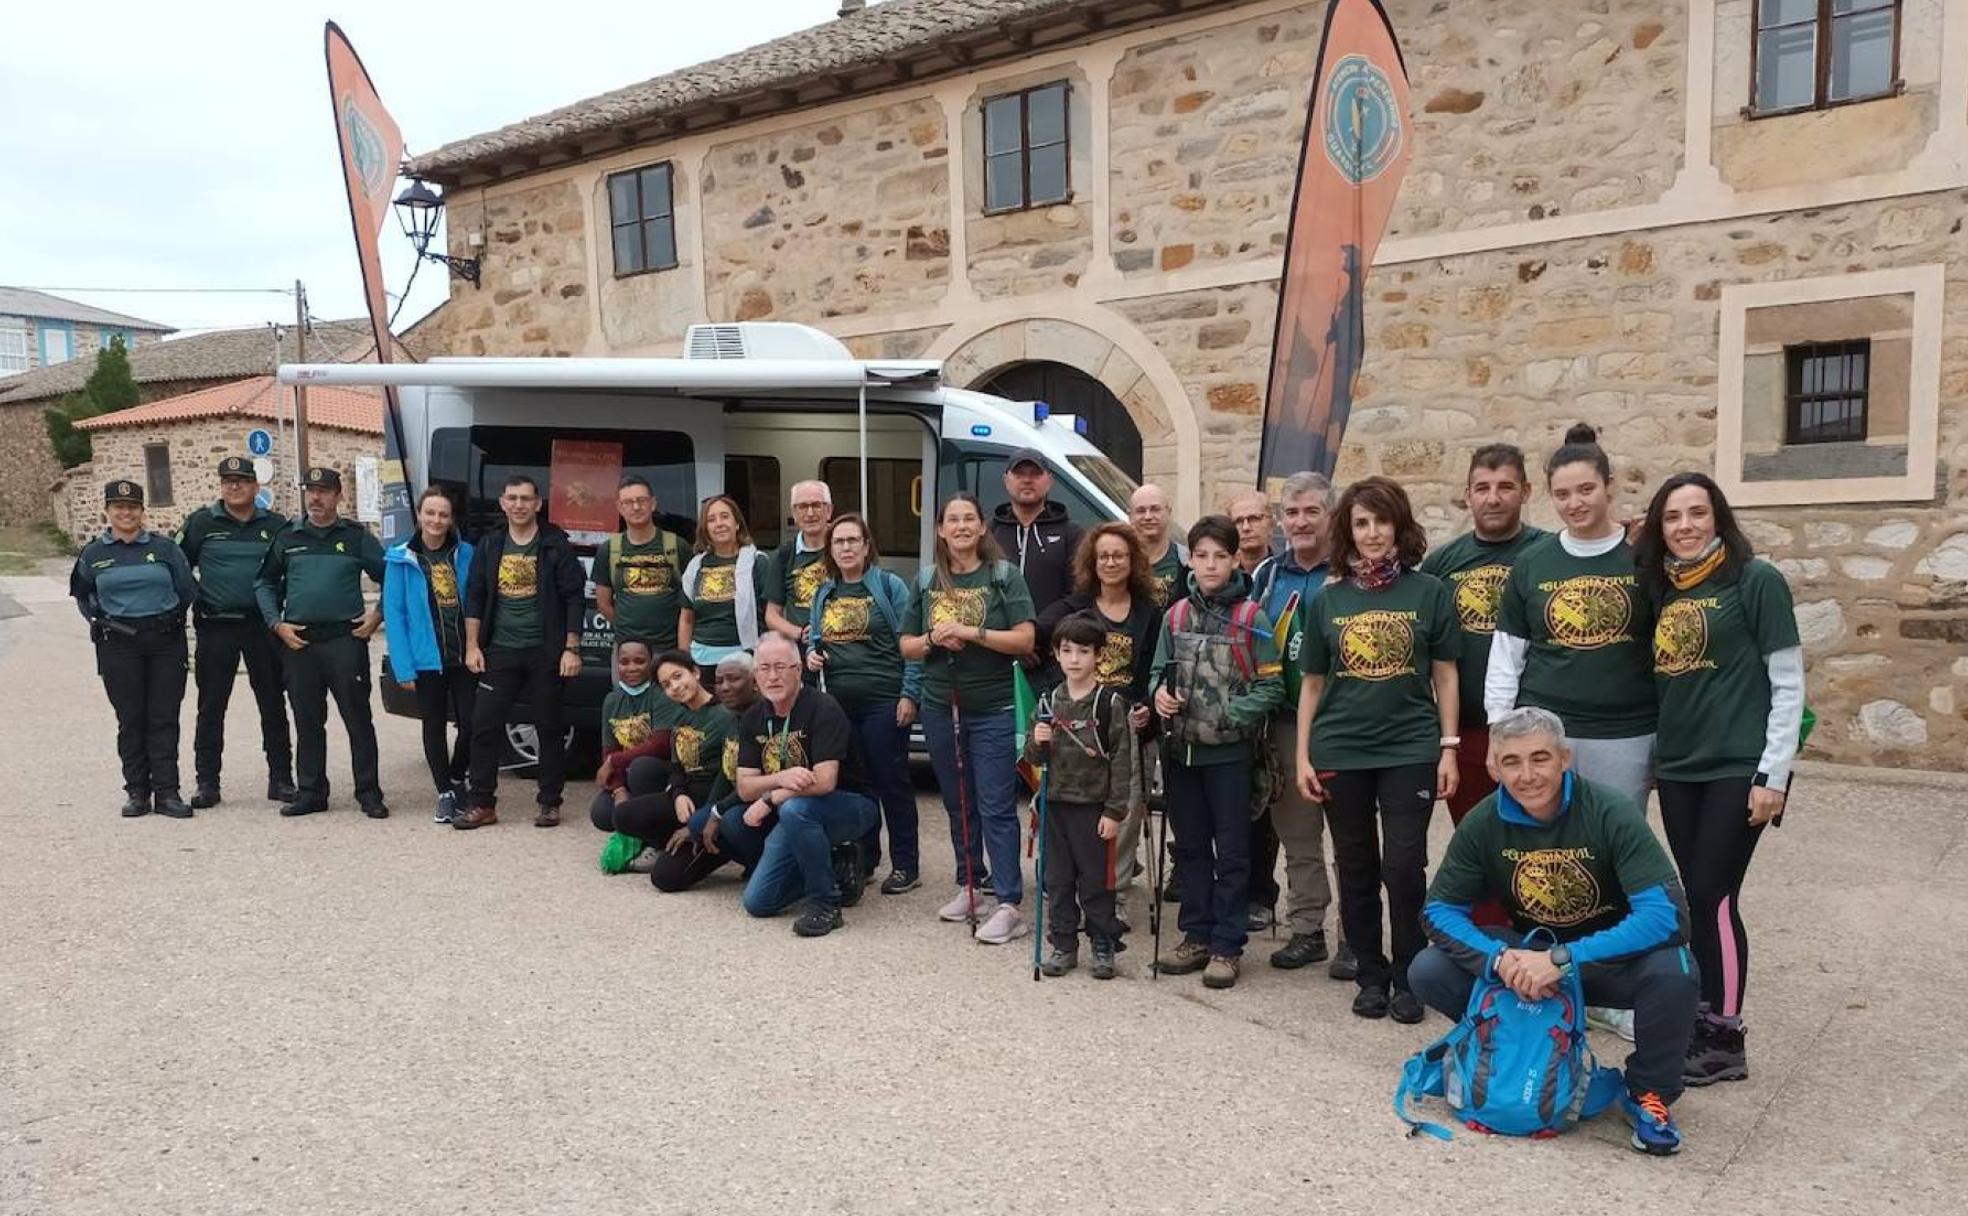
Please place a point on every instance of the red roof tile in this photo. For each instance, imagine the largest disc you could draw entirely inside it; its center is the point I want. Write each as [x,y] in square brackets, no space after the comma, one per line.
[348,409]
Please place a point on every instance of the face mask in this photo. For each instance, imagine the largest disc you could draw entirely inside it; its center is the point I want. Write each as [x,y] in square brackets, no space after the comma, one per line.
[634,690]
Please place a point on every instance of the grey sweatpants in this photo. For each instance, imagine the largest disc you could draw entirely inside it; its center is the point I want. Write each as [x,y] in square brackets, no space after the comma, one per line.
[1626,765]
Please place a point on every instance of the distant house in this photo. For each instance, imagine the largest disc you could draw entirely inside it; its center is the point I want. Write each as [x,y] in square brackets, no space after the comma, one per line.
[172,448]
[40,330]
[161,369]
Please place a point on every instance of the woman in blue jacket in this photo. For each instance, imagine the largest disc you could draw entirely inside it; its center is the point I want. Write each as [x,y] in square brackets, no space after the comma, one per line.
[856,650]
[423,614]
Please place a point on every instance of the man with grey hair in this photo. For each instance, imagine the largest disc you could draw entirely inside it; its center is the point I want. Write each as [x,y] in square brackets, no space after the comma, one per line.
[1284,586]
[797,570]
[1578,861]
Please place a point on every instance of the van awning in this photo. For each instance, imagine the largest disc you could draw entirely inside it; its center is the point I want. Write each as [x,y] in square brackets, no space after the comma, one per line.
[711,377]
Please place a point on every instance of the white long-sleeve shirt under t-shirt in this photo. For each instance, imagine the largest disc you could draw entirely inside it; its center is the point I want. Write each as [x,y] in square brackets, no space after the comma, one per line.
[1508,653]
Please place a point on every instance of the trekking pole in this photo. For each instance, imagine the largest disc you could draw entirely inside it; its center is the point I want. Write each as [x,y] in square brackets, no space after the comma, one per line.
[1039,826]
[963,799]
[1161,843]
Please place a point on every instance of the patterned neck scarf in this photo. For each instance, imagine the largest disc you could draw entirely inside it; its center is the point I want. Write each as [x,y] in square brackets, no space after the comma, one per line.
[1688,572]
[1371,575]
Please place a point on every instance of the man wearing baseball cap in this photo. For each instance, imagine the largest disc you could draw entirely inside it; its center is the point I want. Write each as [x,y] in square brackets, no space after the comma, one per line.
[226,542]
[310,593]
[1033,530]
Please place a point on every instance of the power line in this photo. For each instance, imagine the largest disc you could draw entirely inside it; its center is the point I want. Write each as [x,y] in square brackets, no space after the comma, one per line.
[209,291]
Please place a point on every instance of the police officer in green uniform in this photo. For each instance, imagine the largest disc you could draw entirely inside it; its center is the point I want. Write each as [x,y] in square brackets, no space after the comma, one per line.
[310,591]
[133,587]
[225,544]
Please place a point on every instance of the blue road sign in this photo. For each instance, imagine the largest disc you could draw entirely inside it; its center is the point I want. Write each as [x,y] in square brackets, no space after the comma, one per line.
[259,441]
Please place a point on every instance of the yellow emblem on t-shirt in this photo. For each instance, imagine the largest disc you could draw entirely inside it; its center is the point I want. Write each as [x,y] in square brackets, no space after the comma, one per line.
[845,619]
[632,731]
[1477,593]
[686,747]
[1376,645]
[1115,665]
[1681,639]
[806,581]
[717,584]
[1588,612]
[1555,888]
[444,584]
[958,605]
[519,576]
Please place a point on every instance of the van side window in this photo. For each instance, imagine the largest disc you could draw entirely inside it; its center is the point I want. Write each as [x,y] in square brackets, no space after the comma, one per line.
[754,482]
[474,462]
[895,486]
[981,471]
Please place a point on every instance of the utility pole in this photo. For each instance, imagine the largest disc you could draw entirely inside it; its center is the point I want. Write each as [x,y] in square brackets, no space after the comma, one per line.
[300,389]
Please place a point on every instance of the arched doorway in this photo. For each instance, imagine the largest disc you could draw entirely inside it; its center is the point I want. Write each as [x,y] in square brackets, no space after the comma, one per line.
[1068,390]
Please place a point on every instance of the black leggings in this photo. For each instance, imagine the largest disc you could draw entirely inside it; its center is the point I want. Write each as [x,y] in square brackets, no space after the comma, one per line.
[1401,799]
[444,697]
[1708,830]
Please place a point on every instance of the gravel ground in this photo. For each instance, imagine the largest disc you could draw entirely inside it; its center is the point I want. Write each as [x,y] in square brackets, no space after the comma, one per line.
[333,1015]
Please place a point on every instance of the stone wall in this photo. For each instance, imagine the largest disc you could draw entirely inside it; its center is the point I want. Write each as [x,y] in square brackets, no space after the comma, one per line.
[196,449]
[1518,115]
[833,219]
[533,275]
[29,467]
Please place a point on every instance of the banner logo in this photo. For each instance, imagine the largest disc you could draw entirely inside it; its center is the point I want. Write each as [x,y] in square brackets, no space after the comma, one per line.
[366,149]
[1363,120]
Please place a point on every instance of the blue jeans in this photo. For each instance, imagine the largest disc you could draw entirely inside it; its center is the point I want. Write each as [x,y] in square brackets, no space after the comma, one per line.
[798,858]
[742,842]
[885,746]
[1210,807]
[989,795]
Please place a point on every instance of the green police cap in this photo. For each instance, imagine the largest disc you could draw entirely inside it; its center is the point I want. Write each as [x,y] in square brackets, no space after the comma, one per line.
[238,466]
[123,491]
[325,477]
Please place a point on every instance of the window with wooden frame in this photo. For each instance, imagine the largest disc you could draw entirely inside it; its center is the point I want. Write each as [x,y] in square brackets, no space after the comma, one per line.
[1027,152]
[1825,391]
[642,219]
[157,474]
[1813,54]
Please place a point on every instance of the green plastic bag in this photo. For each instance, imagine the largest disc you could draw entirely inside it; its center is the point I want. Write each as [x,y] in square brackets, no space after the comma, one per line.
[1805,726]
[619,852]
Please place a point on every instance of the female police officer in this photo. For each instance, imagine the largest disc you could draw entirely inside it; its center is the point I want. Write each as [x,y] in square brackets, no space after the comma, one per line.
[133,587]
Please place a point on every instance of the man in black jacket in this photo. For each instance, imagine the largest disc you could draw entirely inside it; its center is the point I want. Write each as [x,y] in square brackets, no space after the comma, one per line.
[522,634]
[1033,530]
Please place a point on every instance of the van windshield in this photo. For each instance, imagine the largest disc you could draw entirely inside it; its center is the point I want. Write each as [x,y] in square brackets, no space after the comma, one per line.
[1104,473]
[478,460]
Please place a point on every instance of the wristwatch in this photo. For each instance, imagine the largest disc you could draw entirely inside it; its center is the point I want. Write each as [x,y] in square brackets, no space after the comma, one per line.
[1561,956]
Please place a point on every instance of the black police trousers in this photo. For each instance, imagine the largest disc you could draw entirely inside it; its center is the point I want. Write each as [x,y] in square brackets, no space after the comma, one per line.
[144,674]
[336,666]
[215,665]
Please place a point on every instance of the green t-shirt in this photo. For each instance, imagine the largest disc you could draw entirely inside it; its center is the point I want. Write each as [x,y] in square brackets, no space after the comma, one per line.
[1587,626]
[982,675]
[629,718]
[715,600]
[516,622]
[1375,650]
[1171,578]
[1709,645]
[864,656]
[448,616]
[1476,570]
[697,746]
[645,579]
[1572,876]
[796,575]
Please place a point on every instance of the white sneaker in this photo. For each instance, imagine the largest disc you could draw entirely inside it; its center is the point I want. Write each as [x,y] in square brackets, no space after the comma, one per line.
[1004,925]
[959,908]
[1614,1021]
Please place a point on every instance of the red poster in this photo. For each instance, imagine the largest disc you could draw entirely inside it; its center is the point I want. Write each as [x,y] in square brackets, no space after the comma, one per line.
[583,477]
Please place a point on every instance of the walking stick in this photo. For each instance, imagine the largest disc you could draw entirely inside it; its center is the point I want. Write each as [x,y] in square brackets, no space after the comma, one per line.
[963,799]
[1044,714]
[1161,844]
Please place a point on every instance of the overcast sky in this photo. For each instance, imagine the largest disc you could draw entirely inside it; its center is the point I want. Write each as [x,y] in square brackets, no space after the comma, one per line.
[191,145]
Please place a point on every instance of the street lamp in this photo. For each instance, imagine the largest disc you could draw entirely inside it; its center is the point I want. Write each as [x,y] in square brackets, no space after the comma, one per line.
[418,209]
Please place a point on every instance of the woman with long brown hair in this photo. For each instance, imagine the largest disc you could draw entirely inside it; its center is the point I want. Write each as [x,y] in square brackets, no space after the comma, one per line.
[970,618]
[1377,713]
[722,588]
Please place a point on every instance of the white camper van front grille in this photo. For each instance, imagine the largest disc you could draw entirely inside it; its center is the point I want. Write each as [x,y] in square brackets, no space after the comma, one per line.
[714,342]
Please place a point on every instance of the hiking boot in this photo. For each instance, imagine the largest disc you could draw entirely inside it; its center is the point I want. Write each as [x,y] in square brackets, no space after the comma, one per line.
[169,805]
[447,807]
[1003,925]
[1613,1021]
[302,806]
[1654,1132]
[1172,887]
[1061,959]
[135,807]
[281,789]
[818,920]
[969,902]
[1221,971]
[549,817]
[1188,958]
[900,881]
[376,810]
[1302,950]
[1715,1053]
[1258,918]
[1345,964]
[1370,1003]
[849,878]
[476,817]
[1405,1008]
[206,795]
[1103,958]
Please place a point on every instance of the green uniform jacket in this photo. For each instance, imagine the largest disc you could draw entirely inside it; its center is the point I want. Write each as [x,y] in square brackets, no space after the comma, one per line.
[313,576]
[227,554]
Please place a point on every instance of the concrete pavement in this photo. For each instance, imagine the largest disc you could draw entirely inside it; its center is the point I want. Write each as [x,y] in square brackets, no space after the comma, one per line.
[244,1014]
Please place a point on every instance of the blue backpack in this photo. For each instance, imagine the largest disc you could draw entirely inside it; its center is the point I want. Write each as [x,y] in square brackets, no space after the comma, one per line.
[1511,1066]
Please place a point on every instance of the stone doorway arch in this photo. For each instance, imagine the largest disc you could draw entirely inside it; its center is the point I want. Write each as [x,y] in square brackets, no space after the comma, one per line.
[1068,390]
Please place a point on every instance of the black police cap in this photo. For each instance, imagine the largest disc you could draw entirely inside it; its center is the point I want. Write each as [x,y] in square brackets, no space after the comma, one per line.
[123,491]
[238,466]
[325,477]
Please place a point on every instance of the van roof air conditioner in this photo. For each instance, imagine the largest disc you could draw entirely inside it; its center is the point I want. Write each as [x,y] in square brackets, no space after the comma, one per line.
[762,340]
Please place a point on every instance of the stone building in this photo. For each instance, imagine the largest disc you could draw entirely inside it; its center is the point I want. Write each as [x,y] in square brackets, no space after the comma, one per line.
[1671,218]
[173,447]
[40,330]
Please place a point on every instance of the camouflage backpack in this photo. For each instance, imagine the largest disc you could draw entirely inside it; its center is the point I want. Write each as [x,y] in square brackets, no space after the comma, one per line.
[1213,669]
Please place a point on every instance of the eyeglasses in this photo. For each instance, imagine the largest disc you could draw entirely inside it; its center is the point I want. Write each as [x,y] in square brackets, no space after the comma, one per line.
[764,667]
[1111,559]
[850,540]
[810,506]
[640,500]
[1241,520]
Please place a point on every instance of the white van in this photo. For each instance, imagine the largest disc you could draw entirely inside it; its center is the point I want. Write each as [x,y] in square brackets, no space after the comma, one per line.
[750,409]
